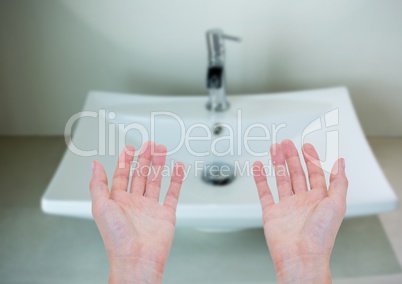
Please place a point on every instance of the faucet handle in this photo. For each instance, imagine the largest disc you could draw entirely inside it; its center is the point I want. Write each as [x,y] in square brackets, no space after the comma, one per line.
[217,35]
[232,38]
[216,47]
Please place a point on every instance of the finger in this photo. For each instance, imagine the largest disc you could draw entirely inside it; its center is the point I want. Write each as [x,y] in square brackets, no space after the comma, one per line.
[98,186]
[260,179]
[296,172]
[141,171]
[315,173]
[338,183]
[281,173]
[173,193]
[121,175]
[155,177]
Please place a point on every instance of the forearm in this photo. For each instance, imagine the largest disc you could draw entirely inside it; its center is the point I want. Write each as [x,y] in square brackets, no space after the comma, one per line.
[135,271]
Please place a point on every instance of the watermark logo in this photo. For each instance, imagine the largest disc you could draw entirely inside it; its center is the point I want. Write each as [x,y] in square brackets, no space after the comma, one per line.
[235,141]
[329,123]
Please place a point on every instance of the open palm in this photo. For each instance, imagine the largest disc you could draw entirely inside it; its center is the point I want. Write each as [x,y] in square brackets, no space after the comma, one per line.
[304,223]
[135,228]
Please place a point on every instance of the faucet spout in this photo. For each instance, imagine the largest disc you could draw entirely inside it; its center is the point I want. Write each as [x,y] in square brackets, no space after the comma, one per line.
[216,82]
[216,87]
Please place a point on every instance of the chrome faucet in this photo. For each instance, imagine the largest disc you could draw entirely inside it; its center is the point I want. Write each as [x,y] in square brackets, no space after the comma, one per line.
[216,70]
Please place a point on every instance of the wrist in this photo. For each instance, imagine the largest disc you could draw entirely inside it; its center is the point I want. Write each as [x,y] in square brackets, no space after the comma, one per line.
[303,269]
[135,270]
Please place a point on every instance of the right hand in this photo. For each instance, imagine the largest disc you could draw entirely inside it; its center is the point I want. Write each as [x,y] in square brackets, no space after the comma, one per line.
[301,228]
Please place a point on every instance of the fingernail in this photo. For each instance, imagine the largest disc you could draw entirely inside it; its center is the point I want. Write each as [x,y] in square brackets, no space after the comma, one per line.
[343,164]
[147,147]
[180,168]
[307,148]
[93,166]
[160,149]
[130,148]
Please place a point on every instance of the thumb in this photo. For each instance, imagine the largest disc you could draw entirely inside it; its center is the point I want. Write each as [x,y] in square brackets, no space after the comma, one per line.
[338,182]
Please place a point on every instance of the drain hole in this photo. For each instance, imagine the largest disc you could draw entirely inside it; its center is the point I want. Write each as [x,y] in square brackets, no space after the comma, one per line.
[218,173]
[217,128]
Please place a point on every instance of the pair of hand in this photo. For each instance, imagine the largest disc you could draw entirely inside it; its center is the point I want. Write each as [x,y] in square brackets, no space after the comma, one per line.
[138,232]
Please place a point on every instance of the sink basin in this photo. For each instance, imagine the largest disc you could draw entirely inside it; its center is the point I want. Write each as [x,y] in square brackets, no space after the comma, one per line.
[237,137]
[171,121]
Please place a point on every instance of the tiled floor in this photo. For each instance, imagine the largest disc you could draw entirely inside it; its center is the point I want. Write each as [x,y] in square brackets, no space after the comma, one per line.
[38,248]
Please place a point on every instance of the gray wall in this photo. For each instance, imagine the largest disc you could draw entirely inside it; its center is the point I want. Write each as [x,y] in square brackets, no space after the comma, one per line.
[52,52]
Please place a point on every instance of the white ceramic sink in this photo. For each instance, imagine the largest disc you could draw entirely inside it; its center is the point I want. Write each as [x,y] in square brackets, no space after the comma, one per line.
[325,118]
